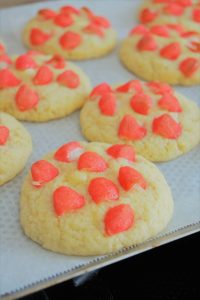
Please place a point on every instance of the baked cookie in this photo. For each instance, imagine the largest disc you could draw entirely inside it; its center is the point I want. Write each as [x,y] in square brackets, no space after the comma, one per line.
[15,147]
[36,87]
[185,12]
[93,198]
[166,53]
[73,33]
[160,123]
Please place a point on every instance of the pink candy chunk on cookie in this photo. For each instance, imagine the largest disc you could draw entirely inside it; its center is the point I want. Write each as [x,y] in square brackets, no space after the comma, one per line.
[69,79]
[170,103]
[118,219]
[43,172]
[8,79]
[38,37]
[43,76]
[122,151]
[91,162]
[167,127]
[129,177]
[66,200]
[141,103]
[130,129]
[107,104]
[70,40]
[24,62]
[102,189]
[26,98]
[69,152]
[4,134]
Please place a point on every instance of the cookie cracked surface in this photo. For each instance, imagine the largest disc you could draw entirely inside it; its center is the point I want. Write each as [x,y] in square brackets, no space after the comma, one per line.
[36,87]
[160,123]
[93,198]
[75,34]
[185,12]
[167,53]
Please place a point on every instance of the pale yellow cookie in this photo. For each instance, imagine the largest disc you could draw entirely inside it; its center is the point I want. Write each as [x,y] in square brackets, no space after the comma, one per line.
[93,198]
[36,87]
[73,33]
[163,52]
[185,12]
[160,123]
[15,147]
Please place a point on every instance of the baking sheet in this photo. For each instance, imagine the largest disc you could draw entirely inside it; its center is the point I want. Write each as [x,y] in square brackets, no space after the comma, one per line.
[24,265]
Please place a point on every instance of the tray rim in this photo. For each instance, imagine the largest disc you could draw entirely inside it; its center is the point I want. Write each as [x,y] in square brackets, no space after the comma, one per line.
[99,262]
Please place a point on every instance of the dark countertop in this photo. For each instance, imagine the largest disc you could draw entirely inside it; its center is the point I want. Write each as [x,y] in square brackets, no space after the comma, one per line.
[169,272]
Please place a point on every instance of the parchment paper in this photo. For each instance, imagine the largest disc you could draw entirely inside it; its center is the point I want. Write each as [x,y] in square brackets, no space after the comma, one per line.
[23,262]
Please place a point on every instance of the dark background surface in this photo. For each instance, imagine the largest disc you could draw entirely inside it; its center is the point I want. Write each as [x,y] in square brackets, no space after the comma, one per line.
[168,272]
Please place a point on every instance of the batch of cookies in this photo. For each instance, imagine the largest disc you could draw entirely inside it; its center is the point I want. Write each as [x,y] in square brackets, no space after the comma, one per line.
[96,197]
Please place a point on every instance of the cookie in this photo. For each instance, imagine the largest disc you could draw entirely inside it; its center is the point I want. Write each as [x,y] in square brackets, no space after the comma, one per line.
[36,87]
[15,147]
[185,12]
[160,123]
[75,34]
[166,53]
[93,198]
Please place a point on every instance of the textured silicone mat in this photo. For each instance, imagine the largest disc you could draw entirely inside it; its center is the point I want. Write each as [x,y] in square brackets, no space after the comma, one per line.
[25,266]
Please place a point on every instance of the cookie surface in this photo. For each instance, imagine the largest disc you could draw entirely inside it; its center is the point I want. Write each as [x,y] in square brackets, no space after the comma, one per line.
[166,53]
[158,122]
[73,33]
[35,87]
[15,147]
[93,198]
[185,12]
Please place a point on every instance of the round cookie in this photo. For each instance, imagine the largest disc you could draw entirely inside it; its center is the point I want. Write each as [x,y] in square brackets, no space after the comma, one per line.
[15,147]
[93,198]
[36,87]
[166,53]
[185,12]
[160,123]
[76,34]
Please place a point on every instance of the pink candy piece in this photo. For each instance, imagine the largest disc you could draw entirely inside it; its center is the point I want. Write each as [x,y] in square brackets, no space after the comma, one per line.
[91,162]
[67,200]
[68,152]
[43,172]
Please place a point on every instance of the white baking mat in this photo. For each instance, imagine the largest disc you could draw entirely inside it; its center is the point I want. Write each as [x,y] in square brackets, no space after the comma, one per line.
[23,263]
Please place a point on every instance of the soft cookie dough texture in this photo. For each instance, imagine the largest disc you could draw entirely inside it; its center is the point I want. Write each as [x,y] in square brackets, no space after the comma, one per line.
[36,87]
[15,149]
[166,53]
[185,12]
[82,231]
[103,126]
[75,34]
